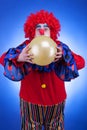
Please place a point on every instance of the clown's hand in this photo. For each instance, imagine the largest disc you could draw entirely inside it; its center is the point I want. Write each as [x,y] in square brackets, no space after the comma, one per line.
[58,54]
[24,56]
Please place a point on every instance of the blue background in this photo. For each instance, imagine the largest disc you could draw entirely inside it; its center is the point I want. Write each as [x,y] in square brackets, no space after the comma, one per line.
[73,18]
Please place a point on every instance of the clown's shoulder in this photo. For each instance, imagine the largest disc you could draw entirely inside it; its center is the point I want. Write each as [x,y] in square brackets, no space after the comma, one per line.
[80,61]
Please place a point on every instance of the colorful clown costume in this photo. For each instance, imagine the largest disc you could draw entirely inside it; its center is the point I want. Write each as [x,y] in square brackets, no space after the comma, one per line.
[33,77]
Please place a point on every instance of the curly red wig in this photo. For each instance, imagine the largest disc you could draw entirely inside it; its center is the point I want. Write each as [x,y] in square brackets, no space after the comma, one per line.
[41,17]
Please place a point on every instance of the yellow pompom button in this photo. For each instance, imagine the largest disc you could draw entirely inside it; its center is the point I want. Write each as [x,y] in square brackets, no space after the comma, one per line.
[43,86]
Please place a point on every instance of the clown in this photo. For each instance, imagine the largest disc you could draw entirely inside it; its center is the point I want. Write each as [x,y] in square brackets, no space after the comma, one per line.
[42,92]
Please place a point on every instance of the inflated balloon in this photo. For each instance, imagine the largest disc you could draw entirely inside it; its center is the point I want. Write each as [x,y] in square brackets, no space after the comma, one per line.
[43,49]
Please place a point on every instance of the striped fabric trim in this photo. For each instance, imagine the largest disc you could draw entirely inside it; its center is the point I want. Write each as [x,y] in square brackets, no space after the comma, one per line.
[38,117]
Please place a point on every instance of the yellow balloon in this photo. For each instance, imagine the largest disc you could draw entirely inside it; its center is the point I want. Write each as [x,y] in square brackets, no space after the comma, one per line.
[43,49]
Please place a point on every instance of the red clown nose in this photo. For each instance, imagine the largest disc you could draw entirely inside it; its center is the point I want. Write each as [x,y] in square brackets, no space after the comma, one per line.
[41,31]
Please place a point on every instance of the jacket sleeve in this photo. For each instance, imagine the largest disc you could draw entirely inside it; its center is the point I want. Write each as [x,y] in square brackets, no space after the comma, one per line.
[66,68]
[80,62]
[2,59]
[14,70]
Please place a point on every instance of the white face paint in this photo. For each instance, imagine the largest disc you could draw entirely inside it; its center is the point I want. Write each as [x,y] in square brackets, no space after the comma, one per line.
[42,29]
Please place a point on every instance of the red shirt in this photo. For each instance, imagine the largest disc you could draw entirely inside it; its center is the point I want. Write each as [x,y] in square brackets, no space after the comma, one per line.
[32,91]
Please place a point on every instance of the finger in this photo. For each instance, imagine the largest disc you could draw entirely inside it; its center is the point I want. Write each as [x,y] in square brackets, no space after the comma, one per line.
[59,53]
[30,58]
[30,61]
[59,49]
[58,57]
[56,60]
[27,48]
[29,55]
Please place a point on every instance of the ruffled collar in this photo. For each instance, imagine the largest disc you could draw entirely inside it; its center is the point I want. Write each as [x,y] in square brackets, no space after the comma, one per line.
[47,68]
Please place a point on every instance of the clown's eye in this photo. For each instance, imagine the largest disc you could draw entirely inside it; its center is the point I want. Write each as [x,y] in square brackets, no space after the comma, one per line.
[38,29]
[46,29]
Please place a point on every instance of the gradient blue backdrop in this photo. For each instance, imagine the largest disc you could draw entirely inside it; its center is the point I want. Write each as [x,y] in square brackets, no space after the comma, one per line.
[73,18]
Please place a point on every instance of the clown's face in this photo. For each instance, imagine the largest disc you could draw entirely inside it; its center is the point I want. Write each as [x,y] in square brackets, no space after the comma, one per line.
[42,29]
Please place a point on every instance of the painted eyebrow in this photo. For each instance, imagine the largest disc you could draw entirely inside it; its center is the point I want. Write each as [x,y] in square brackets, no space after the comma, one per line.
[39,26]
[45,25]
